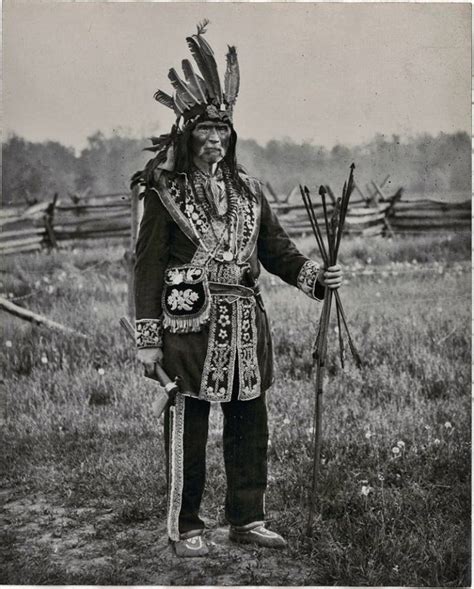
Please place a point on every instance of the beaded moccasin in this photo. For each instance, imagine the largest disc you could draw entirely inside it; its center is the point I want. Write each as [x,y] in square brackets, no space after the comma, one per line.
[256,533]
[191,547]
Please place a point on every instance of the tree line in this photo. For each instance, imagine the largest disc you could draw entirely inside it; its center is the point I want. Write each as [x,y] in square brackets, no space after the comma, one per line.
[424,164]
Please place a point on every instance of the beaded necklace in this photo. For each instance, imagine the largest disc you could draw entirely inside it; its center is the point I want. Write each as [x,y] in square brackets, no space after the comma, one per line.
[198,181]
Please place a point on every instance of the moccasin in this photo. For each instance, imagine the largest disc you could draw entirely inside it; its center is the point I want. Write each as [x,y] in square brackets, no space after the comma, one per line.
[191,547]
[256,534]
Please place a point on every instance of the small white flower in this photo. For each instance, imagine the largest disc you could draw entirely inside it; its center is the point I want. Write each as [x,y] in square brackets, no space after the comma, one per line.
[8,343]
[46,279]
[101,371]
[369,260]
[368,435]
[436,442]
[396,450]
[380,477]
[365,490]
[44,359]
[447,425]
[395,569]
[286,421]
[401,444]
[50,289]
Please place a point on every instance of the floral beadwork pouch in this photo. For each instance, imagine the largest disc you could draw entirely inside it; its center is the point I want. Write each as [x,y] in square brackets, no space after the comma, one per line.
[186,299]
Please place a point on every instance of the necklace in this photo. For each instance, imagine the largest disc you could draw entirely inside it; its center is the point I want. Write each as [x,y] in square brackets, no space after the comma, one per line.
[199,183]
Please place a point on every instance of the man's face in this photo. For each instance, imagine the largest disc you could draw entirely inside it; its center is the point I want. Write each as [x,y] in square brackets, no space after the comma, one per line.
[210,141]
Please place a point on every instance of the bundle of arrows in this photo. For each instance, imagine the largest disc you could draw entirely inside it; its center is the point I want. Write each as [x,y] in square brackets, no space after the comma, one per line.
[334,226]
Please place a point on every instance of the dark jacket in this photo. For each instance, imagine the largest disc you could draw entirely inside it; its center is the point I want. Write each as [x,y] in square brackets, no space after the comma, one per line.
[188,300]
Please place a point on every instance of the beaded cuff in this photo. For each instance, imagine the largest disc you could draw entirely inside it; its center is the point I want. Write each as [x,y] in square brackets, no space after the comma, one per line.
[307,280]
[149,333]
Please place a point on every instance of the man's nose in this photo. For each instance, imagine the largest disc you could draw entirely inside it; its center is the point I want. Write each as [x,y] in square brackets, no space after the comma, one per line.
[213,135]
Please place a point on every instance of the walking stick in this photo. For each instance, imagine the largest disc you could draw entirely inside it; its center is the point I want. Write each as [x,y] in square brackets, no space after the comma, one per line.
[334,228]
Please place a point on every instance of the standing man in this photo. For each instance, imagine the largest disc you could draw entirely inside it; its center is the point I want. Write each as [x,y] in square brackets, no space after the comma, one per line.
[205,231]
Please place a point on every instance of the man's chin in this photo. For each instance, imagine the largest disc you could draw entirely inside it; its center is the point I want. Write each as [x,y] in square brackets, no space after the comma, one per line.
[212,158]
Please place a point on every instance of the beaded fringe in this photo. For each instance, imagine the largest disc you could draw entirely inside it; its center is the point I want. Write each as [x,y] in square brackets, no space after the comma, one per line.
[186,324]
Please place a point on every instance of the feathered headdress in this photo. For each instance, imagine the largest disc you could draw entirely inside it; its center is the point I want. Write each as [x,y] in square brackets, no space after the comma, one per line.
[194,96]
[197,94]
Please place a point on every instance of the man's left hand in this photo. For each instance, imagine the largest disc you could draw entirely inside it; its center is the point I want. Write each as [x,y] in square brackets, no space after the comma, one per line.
[331,277]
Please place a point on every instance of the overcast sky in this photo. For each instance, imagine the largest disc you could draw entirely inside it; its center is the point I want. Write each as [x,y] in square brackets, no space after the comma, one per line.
[326,73]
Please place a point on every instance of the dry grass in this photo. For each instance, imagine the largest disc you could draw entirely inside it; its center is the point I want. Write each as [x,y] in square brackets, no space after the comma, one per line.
[83,456]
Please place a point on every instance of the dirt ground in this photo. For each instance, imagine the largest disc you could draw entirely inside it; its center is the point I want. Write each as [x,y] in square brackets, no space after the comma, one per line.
[48,544]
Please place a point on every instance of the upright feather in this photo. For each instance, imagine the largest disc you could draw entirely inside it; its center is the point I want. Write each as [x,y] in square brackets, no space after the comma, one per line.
[202,64]
[182,89]
[232,77]
[195,83]
[208,56]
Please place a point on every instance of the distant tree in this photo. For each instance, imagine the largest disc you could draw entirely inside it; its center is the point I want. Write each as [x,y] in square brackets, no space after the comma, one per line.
[424,163]
[107,163]
[33,172]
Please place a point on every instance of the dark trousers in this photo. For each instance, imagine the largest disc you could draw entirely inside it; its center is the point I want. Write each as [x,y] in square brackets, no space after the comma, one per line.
[245,439]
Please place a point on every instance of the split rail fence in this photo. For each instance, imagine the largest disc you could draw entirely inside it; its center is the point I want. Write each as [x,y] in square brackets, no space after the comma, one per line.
[62,223]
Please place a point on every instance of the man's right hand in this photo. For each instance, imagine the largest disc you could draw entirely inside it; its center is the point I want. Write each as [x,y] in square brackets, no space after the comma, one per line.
[149,357]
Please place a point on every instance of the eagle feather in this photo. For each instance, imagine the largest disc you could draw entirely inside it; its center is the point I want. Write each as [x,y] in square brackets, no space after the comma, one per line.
[164,98]
[196,84]
[182,89]
[232,77]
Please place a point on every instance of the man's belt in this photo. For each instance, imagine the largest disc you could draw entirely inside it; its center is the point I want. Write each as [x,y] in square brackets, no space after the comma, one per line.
[232,290]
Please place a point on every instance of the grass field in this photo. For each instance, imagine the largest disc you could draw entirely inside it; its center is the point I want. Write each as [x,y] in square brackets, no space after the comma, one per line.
[83,477]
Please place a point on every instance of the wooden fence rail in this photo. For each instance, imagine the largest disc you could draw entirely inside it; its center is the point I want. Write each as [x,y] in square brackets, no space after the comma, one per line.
[61,223]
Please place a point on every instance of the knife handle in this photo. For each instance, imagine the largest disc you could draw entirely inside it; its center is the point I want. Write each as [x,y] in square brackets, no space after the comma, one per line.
[170,386]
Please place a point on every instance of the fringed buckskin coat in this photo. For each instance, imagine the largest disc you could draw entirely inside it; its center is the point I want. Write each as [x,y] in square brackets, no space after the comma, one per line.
[199,305]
